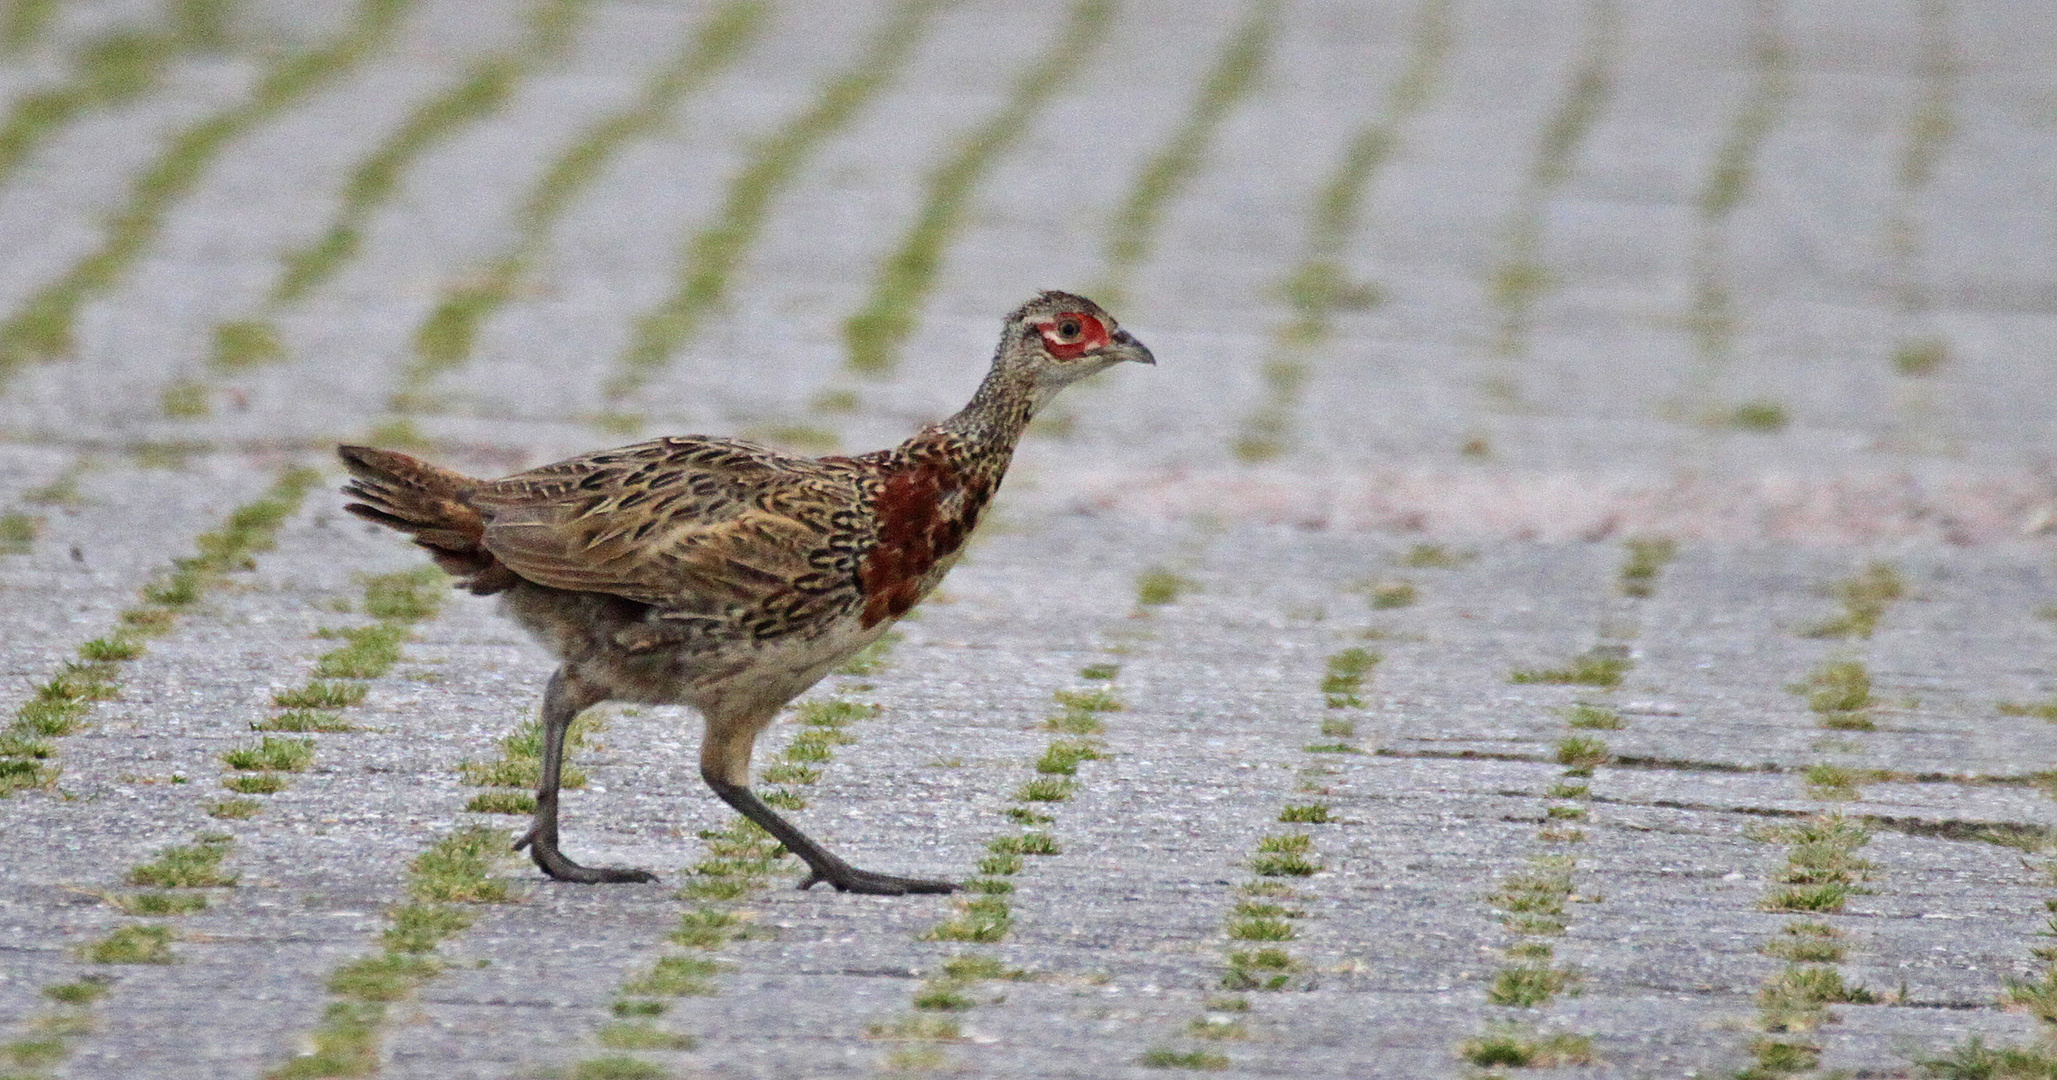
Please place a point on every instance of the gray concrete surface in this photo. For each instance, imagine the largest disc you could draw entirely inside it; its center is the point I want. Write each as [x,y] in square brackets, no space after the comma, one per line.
[1414,425]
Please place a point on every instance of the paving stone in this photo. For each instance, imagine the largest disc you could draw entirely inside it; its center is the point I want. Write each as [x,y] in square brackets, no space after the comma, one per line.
[1415,424]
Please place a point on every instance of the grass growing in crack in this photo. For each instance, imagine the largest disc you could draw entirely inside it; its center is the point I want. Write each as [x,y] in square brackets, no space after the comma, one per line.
[234,809]
[1517,1047]
[1286,855]
[1592,718]
[1646,559]
[1865,598]
[1261,928]
[1544,891]
[623,1035]
[418,928]
[159,903]
[1163,1057]
[1046,789]
[1168,171]
[1822,872]
[1592,668]
[1771,62]
[249,530]
[372,651]
[1826,781]
[1806,942]
[188,866]
[271,755]
[1808,986]
[1309,814]
[1024,844]
[449,872]
[1062,758]
[1580,754]
[246,344]
[134,945]
[1393,594]
[1527,986]
[18,532]
[873,335]
[110,70]
[455,869]
[985,918]
[709,928]
[1839,693]
[501,801]
[305,720]
[1763,417]
[1158,587]
[1259,969]
[1435,557]
[1345,677]
[406,595]
[710,258]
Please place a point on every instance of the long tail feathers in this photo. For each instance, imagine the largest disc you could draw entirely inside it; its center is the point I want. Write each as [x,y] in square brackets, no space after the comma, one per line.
[427,502]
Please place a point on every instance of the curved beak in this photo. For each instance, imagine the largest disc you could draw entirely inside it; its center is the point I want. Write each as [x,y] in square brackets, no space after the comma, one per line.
[1124,346]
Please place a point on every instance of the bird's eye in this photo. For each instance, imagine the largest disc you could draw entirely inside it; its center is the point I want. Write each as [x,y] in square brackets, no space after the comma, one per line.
[1069,328]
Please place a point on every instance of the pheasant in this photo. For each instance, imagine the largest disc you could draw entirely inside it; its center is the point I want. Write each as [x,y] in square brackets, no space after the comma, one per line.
[725,575]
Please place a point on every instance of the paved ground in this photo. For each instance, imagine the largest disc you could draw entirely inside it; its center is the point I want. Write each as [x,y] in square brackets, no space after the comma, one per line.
[1459,307]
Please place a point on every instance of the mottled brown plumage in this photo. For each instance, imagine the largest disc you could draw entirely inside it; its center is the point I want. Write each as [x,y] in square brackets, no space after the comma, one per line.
[729,576]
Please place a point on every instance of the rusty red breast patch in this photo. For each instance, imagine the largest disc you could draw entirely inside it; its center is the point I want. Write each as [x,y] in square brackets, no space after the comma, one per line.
[924,513]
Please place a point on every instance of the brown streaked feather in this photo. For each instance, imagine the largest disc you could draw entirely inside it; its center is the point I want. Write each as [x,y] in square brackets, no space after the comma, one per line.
[689,524]
[427,502]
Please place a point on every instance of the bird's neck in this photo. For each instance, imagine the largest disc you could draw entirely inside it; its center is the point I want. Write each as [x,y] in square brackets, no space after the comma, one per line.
[998,413]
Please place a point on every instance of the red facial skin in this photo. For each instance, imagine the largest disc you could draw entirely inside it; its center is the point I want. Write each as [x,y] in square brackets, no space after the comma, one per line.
[1089,333]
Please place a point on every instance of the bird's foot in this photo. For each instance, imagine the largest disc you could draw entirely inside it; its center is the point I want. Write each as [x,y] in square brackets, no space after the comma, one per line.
[851,879]
[552,862]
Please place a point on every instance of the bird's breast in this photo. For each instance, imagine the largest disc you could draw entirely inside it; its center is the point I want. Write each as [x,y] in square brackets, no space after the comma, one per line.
[924,512]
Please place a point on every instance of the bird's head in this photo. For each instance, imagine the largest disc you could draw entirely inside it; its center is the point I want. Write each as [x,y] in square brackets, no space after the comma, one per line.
[1059,338]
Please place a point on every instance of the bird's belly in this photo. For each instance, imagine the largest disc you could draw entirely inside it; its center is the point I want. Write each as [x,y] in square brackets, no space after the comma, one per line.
[637,658]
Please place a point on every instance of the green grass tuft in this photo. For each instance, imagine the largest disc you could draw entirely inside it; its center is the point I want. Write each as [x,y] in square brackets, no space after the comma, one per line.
[1527,986]
[455,868]
[134,945]
[1046,789]
[190,866]
[1516,1048]
[1160,1057]
[1158,587]
[1764,417]
[304,720]
[1062,758]
[1594,668]
[630,1036]
[234,809]
[160,903]
[18,533]
[272,755]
